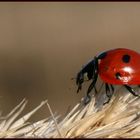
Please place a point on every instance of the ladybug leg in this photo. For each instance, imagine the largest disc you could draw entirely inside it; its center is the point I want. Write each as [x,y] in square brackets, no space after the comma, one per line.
[112,88]
[92,85]
[109,92]
[131,90]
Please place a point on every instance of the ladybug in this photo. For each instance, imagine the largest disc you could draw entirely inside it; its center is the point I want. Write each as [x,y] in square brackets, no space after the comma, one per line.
[119,66]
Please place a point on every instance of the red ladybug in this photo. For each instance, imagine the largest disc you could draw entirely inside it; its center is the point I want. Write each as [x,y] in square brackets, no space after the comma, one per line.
[119,66]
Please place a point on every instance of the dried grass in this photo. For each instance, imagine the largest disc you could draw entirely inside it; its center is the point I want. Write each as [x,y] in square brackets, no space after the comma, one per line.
[118,119]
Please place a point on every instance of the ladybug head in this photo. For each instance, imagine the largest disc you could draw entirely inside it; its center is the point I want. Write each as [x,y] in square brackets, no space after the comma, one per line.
[86,73]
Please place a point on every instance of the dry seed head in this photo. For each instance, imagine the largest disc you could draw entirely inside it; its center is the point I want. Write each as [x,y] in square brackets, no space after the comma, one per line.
[119,118]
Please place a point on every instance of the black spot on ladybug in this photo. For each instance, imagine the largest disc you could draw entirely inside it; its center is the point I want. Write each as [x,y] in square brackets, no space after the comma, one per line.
[102,55]
[118,75]
[126,58]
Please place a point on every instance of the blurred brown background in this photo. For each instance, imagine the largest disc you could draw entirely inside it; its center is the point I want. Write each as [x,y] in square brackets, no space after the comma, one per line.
[44,44]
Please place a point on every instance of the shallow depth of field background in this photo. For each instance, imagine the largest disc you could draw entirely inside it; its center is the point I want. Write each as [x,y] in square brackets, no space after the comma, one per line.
[44,44]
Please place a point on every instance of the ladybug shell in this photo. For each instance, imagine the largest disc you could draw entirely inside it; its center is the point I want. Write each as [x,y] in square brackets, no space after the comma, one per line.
[120,61]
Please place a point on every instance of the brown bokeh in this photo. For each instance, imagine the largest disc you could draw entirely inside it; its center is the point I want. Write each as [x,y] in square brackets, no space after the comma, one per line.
[44,44]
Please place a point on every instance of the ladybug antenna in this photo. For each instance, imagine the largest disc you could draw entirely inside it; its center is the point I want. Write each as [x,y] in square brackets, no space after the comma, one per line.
[73,78]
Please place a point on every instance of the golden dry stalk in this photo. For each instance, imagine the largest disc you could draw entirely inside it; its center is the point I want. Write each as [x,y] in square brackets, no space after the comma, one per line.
[118,119]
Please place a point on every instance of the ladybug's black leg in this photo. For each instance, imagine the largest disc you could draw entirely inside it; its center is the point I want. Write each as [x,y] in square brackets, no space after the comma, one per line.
[112,88]
[131,90]
[95,89]
[92,85]
[109,93]
[107,90]
[94,80]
